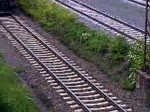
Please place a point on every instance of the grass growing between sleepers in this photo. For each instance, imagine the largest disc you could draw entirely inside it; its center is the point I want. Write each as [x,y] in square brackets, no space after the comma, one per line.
[14,96]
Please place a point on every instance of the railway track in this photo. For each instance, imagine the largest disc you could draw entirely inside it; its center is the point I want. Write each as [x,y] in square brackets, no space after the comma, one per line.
[80,90]
[110,23]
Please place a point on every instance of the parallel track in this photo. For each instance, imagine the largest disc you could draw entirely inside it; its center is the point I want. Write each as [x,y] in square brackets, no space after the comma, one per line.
[110,23]
[81,91]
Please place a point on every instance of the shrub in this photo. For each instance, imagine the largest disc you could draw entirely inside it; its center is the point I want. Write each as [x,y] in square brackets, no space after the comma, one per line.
[127,85]
[98,42]
[118,48]
[135,57]
[14,97]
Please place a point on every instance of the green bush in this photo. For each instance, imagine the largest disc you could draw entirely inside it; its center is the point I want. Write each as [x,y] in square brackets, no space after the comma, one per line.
[118,48]
[14,96]
[98,42]
[4,107]
[127,85]
[136,58]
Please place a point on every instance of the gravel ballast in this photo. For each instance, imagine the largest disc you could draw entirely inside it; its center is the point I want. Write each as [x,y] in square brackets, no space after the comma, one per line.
[44,95]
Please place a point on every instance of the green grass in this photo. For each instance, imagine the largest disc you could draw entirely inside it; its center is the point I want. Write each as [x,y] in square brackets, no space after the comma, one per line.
[14,96]
[108,53]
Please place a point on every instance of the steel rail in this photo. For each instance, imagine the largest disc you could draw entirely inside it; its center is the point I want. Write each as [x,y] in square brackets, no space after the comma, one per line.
[104,14]
[100,22]
[47,69]
[73,69]
[4,13]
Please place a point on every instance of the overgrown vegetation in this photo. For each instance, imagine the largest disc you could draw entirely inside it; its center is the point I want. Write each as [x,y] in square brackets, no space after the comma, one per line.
[136,58]
[113,55]
[14,96]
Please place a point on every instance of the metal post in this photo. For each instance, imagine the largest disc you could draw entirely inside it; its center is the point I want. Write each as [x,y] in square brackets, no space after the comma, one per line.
[146,33]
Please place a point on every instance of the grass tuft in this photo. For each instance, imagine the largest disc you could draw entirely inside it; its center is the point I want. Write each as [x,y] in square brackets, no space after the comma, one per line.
[14,96]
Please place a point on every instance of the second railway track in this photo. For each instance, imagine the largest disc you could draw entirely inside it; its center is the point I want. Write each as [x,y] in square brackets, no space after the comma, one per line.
[110,23]
[80,90]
